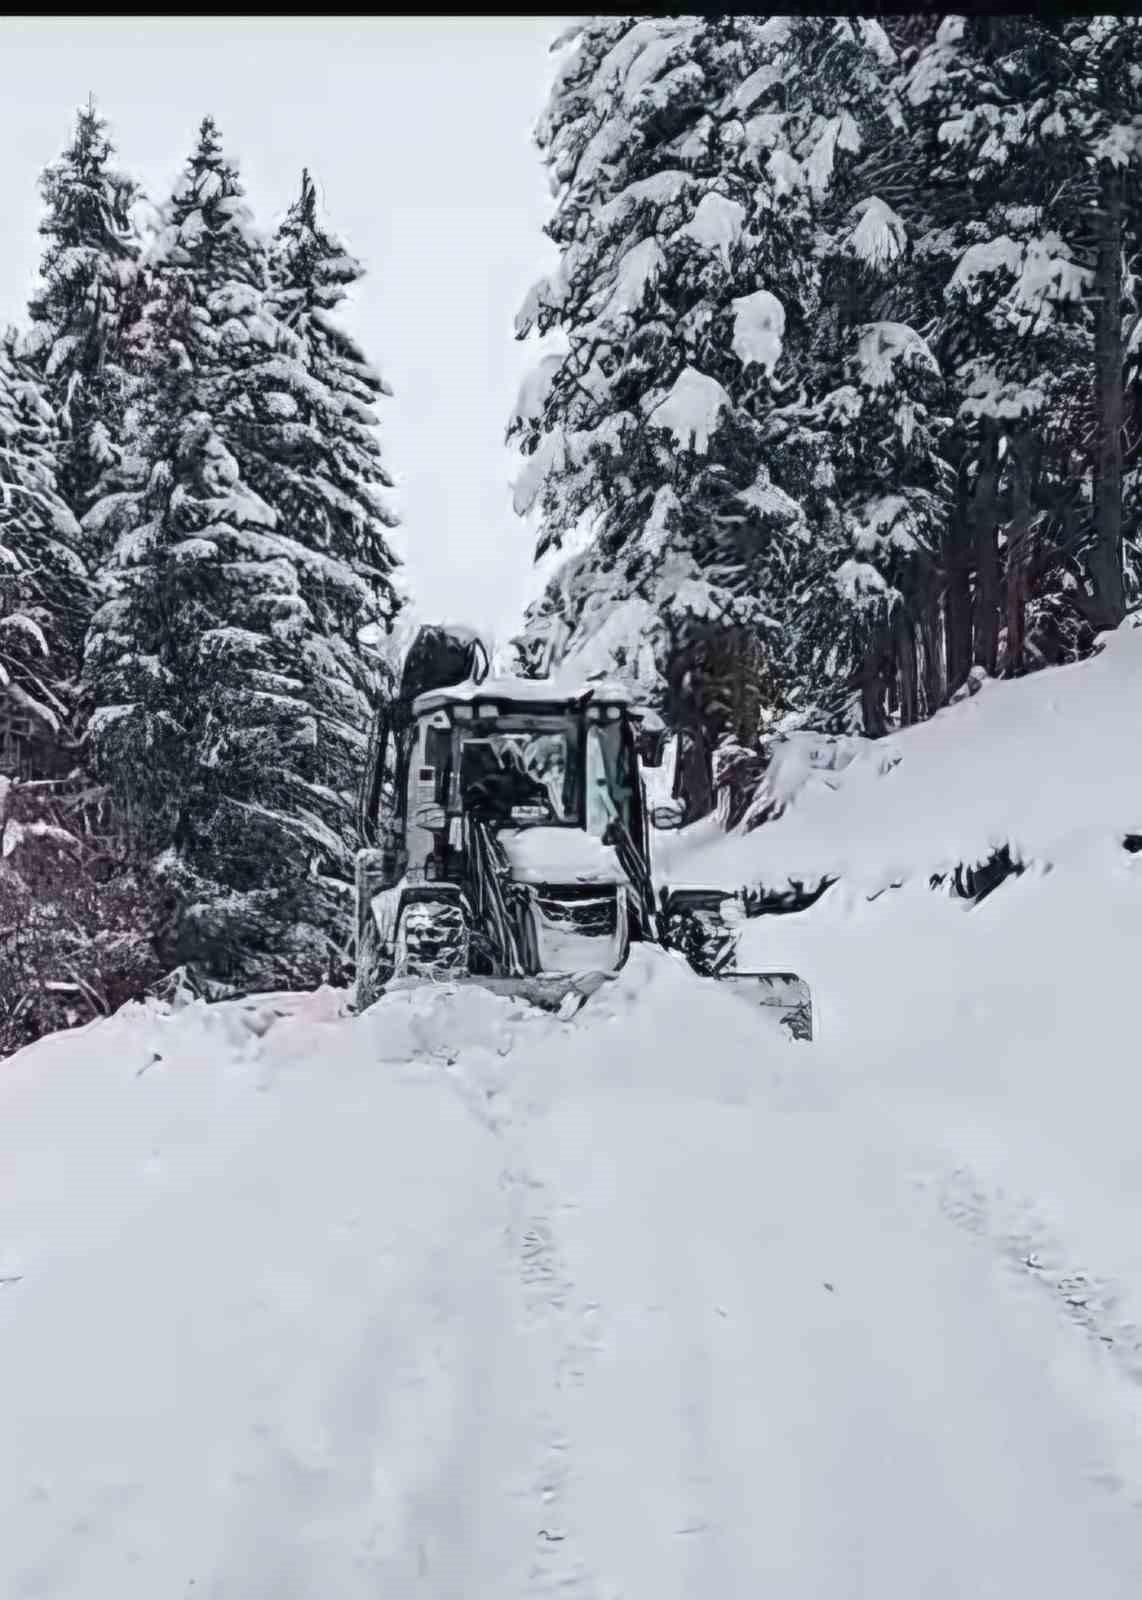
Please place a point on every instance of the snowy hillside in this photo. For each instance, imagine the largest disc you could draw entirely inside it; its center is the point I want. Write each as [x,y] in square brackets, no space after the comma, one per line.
[459,1300]
[1035,766]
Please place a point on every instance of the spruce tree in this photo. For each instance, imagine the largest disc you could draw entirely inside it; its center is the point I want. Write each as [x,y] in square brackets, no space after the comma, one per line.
[45,594]
[857,447]
[76,313]
[203,722]
[312,452]
[680,291]
[1028,128]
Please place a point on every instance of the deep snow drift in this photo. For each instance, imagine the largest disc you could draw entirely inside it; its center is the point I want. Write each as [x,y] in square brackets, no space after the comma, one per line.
[459,1300]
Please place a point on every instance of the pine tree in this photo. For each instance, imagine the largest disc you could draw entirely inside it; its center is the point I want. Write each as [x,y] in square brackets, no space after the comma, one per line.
[197,662]
[868,576]
[1110,128]
[1027,129]
[313,453]
[860,626]
[680,291]
[76,313]
[45,593]
[332,477]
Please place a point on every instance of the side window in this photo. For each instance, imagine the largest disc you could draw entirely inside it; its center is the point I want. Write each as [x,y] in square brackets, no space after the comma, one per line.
[422,777]
[438,756]
[600,807]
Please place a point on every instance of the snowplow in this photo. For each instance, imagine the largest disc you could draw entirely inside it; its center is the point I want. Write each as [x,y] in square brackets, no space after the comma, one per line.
[506,841]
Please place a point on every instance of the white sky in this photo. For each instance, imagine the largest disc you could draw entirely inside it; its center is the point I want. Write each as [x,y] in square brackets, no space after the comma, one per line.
[418,135]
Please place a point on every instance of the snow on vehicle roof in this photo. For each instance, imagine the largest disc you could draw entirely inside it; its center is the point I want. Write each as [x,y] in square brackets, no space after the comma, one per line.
[559,855]
[526,690]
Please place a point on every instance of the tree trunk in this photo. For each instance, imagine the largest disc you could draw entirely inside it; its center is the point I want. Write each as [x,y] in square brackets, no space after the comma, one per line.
[907,668]
[693,776]
[935,683]
[957,591]
[872,687]
[1018,536]
[1105,561]
[985,616]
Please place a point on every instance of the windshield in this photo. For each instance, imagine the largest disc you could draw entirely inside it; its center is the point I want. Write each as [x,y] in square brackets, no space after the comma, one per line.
[526,777]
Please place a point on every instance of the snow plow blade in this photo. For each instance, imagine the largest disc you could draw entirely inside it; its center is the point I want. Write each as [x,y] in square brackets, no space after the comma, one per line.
[563,994]
[782,995]
[705,926]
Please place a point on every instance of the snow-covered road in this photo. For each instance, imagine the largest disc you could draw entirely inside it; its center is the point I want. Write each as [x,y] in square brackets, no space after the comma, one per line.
[460,1301]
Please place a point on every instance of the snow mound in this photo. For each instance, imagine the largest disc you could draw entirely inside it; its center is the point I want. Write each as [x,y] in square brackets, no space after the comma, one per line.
[1030,766]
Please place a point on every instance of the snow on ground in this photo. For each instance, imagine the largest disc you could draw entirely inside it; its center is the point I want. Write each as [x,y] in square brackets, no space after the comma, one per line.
[1035,765]
[457,1299]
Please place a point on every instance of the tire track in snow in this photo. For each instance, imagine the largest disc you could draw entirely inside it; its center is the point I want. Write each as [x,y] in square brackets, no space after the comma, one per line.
[387,1466]
[559,1332]
[566,1334]
[657,1430]
[1032,1251]
[1033,1257]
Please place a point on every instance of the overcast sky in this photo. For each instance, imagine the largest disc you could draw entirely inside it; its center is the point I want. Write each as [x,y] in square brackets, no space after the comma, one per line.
[418,134]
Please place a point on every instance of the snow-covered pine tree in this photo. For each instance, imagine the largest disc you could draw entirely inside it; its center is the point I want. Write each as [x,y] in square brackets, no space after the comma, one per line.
[332,477]
[860,630]
[865,641]
[1025,126]
[684,277]
[77,310]
[45,593]
[204,726]
[1110,127]
[309,446]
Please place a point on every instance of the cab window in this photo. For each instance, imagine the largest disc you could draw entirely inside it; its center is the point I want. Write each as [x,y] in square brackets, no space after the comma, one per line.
[608,788]
[438,756]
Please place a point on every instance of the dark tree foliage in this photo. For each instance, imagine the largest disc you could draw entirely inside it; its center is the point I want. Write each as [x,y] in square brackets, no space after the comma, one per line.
[87,277]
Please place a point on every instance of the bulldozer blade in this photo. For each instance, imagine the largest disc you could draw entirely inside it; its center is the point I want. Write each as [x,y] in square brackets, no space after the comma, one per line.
[562,994]
[782,994]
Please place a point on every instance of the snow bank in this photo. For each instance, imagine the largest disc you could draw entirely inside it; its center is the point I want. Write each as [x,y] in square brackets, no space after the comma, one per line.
[1033,765]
